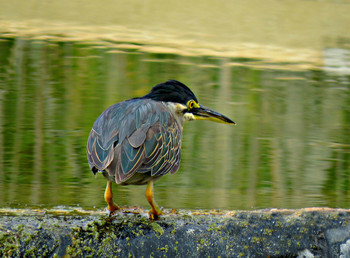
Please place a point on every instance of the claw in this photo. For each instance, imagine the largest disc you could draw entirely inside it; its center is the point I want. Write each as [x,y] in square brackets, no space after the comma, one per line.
[154,215]
[111,210]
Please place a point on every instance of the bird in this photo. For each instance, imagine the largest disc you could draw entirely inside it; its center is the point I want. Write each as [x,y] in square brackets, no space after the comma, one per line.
[137,141]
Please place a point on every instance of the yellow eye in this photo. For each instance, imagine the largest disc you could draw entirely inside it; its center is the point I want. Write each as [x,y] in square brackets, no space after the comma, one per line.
[192,104]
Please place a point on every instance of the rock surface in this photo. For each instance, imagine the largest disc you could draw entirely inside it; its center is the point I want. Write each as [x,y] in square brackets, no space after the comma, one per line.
[311,232]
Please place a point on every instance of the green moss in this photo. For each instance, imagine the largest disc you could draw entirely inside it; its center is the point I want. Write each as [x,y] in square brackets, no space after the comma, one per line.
[157,228]
[334,216]
[88,249]
[30,252]
[244,224]
[279,224]
[165,248]
[28,239]
[268,231]
[9,245]
[20,228]
[259,239]
[135,233]
[115,237]
[304,230]
[213,227]
[186,216]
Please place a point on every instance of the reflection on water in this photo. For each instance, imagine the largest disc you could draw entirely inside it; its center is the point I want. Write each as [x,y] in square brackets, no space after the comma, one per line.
[290,149]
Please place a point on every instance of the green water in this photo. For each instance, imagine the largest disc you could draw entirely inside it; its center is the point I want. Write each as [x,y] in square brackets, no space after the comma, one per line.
[280,69]
[290,148]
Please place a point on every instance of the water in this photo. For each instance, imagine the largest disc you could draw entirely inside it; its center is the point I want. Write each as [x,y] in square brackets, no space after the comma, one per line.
[290,148]
[281,70]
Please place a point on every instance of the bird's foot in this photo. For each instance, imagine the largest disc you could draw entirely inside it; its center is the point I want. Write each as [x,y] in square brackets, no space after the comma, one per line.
[173,211]
[132,210]
[112,209]
[155,213]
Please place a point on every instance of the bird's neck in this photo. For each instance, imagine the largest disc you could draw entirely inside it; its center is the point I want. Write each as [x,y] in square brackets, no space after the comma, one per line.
[176,110]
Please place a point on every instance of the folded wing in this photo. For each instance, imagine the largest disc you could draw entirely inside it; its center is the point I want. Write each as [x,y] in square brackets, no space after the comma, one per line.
[135,136]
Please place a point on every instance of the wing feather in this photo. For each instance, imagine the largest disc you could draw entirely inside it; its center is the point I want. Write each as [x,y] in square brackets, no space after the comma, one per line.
[135,136]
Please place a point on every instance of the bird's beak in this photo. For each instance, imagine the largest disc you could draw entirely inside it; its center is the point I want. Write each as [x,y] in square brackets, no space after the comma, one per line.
[204,113]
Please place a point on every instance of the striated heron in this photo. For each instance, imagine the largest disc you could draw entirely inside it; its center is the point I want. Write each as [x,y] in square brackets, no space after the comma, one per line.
[139,140]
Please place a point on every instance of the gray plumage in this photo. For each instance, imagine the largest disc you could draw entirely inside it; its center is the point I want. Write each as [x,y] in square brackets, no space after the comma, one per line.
[134,141]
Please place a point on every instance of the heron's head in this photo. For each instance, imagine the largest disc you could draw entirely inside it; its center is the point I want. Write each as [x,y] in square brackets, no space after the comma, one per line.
[185,103]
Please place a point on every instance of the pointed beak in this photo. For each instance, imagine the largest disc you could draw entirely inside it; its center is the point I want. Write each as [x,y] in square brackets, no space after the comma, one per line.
[204,113]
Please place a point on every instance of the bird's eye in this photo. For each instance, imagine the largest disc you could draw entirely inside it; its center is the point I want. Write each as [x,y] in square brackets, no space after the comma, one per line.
[191,104]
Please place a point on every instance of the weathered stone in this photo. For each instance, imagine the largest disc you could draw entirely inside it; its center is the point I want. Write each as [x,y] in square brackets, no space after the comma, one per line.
[313,232]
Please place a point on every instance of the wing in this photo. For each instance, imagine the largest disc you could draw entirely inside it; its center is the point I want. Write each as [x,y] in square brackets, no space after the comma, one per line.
[162,147]
[135,136]
[103,137]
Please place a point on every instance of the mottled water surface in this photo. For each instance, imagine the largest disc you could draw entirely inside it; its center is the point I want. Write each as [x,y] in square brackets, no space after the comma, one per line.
[290,148]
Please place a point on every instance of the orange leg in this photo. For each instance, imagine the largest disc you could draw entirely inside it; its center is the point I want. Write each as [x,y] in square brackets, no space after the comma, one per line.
[155,211]
[112,207]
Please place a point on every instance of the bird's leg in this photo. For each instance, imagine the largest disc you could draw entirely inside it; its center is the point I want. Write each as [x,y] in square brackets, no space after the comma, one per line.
[112,207]
[155,211]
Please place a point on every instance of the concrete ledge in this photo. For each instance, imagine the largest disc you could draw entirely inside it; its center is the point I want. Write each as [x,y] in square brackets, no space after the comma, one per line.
[311,232]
